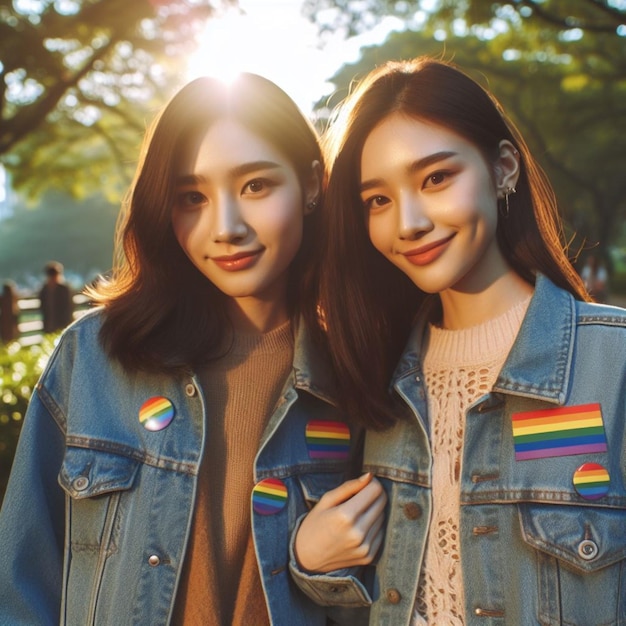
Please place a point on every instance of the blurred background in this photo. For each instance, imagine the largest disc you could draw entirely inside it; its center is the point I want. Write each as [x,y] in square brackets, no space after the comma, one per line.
[80,80]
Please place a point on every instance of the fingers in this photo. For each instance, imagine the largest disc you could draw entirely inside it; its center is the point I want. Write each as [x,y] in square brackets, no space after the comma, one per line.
[366,552]
[345,491]
[372,496]
[345,528]
[368,530]
[360,549]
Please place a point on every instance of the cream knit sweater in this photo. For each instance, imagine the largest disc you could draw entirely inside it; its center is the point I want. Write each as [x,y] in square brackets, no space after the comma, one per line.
[459,367]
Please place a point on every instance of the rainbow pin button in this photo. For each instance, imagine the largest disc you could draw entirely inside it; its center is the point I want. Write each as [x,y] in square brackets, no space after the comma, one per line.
[327,440]
[591,481]
[156,413]
[269,496]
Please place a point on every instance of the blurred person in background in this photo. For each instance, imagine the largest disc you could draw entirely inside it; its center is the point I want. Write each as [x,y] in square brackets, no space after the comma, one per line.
[9,312]
[57,305]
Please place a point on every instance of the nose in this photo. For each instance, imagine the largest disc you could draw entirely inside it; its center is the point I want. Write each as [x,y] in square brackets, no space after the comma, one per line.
[228,223]
[412,220]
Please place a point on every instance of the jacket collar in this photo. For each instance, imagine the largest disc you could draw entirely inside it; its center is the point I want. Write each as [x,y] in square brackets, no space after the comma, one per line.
[312,371]
[540,360]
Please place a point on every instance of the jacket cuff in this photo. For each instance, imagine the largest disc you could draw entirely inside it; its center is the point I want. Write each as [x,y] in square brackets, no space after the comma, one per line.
[337,588]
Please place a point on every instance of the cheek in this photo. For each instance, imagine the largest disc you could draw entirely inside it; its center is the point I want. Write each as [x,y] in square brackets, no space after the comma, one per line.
[487,214]
[380,228]
[476,208]
[288,234]
[283,221]
[183,227]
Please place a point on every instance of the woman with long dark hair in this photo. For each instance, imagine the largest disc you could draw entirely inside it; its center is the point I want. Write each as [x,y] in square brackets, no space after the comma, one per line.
[463,338]
[180,430]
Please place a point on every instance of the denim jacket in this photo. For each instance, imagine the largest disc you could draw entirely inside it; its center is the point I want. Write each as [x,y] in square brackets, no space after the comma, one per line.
[533,549]
[99,506]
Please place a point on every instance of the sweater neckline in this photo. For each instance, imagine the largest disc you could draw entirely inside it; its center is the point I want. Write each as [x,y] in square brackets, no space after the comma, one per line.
[488,340]
[275,340]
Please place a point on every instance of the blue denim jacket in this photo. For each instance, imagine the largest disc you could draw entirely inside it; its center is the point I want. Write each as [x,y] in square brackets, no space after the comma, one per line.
[98,510]
[533,551]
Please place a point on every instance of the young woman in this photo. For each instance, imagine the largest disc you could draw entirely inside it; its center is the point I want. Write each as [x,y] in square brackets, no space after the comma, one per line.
[501,445]
[181,429]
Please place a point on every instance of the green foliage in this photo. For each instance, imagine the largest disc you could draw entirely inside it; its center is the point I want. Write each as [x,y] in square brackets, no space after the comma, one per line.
[79,79]
[20,369]
[352,17]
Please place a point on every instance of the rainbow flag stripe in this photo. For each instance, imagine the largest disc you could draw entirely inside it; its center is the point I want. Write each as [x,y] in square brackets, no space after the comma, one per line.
[156,413]
[591,481]
[327,440]
[563,431]
[269,496]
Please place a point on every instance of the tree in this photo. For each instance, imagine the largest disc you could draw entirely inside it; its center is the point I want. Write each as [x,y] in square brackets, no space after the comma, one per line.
[79,78]
[561,77]
[352,17]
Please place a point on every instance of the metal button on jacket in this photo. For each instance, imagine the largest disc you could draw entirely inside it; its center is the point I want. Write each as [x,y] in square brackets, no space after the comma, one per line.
[393,595]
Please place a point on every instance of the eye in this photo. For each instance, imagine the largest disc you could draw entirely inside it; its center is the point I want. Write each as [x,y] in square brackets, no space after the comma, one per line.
[436,178]
[190,199]
[375,202]
[255,186]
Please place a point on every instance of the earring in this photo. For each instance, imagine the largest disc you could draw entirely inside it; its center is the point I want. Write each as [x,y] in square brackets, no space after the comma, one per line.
[507,192]
[312,205]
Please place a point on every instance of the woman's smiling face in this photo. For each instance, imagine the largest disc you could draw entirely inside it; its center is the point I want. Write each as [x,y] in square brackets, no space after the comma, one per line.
[239,212]
[431,202]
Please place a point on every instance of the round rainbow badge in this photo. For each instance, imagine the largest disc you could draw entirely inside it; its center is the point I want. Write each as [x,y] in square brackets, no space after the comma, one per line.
[591,481]
[156,413]
[269,496]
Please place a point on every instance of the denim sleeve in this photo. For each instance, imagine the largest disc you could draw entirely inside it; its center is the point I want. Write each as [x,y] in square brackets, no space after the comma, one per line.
[32,525]
[340,588]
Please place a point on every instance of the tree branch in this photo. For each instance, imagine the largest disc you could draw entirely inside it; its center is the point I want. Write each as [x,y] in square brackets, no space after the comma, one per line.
[29,117]
[569,21]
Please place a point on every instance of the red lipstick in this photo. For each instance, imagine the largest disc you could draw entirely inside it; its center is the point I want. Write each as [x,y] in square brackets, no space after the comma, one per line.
[428,253]
[237,262]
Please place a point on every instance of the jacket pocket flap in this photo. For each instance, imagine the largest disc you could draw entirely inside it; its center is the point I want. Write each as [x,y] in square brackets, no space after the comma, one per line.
[314,486]
[587,538]
[87,473]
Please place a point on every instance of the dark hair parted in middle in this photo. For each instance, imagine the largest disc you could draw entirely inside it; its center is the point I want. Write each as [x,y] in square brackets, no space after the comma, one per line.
[162,314]
[369,305]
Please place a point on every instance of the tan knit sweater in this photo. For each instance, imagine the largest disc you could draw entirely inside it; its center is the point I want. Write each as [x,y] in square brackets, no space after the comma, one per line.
[220,582]
[459,367]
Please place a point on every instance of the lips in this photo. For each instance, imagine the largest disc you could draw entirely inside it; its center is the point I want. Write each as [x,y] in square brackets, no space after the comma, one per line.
[429,252]
[237,262]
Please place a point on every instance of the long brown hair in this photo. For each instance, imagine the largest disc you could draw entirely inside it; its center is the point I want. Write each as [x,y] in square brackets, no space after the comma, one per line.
[161,313]
[369,304]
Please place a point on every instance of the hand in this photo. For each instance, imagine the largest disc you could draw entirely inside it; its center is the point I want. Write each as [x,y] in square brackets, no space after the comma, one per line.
[345,528]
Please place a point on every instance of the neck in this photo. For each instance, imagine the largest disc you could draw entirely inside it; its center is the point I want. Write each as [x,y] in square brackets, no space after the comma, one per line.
[463,309]
[257,316]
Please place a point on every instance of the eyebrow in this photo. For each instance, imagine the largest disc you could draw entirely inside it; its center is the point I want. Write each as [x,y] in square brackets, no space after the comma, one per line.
[413,167]
[235,172]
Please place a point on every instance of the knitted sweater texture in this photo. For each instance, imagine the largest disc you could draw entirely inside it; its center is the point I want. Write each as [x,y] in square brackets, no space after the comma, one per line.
[459,367]
[220,582]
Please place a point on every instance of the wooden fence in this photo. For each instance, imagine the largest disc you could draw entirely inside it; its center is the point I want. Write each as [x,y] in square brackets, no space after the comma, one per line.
[30,323]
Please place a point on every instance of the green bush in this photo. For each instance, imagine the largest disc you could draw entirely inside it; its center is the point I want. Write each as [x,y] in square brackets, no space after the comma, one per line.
[618,283]
[20,368]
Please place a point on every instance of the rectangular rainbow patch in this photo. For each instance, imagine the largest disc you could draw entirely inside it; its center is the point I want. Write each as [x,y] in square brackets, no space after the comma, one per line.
[563,431]
[327,440]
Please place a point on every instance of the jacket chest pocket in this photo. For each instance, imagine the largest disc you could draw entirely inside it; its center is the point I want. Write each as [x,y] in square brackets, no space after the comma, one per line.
[581,563]
[315,485]
[94,481]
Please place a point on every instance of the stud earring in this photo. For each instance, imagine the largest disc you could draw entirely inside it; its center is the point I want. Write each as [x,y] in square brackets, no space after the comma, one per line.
[312,205]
